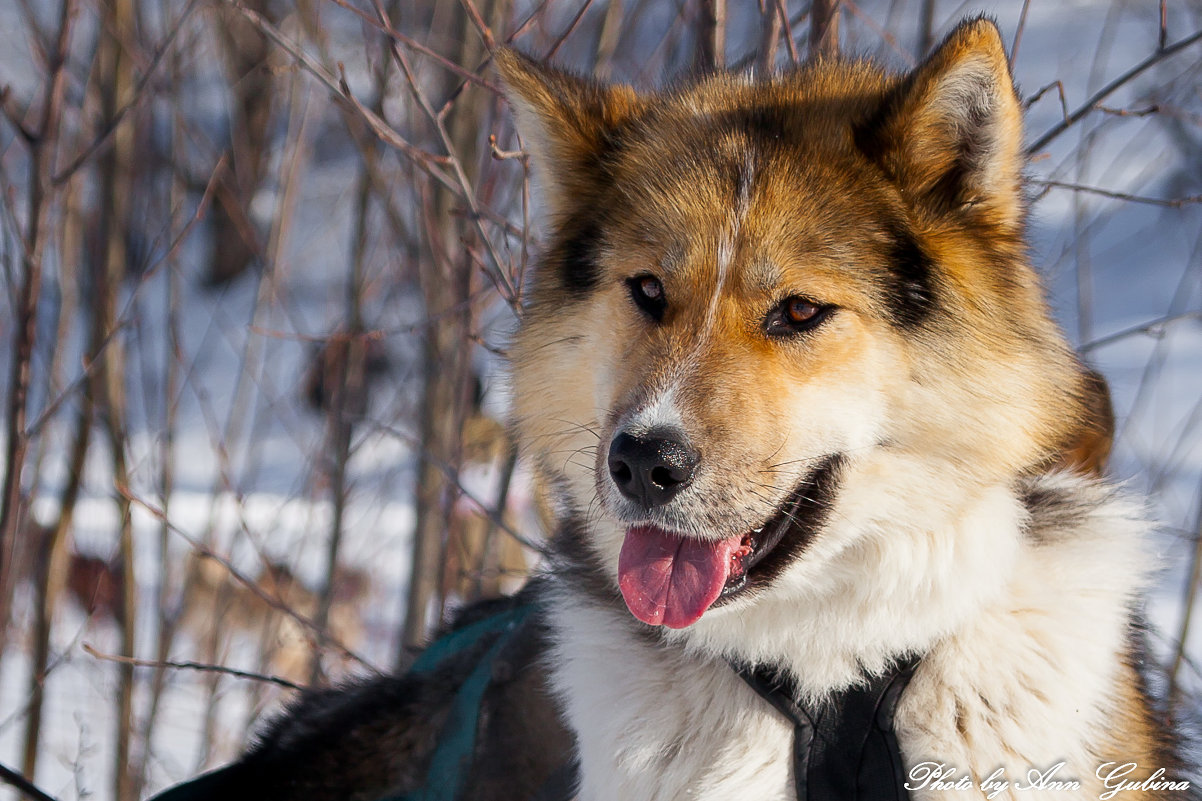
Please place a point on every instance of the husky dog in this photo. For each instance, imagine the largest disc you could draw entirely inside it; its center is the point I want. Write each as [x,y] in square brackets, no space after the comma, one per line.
[793,384]
[798,393]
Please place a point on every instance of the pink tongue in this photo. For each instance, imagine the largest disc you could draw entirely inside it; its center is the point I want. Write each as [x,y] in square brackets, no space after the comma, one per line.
[671,580]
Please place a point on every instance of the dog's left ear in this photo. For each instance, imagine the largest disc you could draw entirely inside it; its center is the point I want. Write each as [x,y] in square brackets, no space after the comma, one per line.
[950,134]
[568,123]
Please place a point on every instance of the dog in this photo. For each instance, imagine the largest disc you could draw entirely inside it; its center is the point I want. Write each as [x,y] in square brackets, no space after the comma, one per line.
[815,400]
[813,440]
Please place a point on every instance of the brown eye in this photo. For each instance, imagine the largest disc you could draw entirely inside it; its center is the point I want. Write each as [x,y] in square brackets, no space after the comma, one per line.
[651,288]
[799,311]
[793,315]
[648,294]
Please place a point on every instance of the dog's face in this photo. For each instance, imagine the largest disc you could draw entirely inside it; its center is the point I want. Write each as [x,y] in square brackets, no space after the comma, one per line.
[750,285]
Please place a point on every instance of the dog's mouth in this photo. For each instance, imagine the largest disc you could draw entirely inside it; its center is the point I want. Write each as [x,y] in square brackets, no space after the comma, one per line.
[671,579]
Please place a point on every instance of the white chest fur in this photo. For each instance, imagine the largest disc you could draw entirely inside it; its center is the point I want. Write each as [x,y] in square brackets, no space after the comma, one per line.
[1018,678]
[656,725]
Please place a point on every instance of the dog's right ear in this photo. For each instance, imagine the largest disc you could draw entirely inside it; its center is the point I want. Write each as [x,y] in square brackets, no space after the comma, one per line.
[568,123]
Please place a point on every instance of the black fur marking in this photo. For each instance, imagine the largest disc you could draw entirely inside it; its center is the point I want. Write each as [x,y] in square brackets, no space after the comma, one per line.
[913,287]
[815,497]
[763,124]
[364,740]
[576,256]
[1053,510]
[913,295]
[579,566]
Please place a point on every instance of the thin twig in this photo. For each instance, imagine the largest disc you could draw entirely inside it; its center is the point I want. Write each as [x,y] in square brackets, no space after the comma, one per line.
[1153,328]
[492,514]
[887,37]
[23,785]
[237,575]
[126,316]
[386,133]
[1018,33]
[1191,594]
[1093,102]
[1173,203]
[388,30]
[467,193]
[1059,87]
[926,28]
[189,665]
[21,365]
[501,155]
[769,36]
[1125,112]
[563,37]
[790,43]
[106,135]
[1163,33]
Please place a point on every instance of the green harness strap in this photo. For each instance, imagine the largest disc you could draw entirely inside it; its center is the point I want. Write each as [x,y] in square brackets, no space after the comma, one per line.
[452,757]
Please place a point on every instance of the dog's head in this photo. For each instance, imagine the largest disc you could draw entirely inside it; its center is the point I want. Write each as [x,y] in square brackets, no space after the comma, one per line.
[749,285]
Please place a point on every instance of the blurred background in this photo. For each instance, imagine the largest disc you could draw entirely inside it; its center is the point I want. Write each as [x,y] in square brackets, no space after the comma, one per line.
[260,263]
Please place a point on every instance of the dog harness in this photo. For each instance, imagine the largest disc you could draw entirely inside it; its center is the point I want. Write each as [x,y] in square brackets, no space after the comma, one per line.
[452,757]
[844,749]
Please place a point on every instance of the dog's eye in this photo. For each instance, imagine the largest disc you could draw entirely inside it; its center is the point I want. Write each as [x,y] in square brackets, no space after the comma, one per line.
[793,315]
[648,294]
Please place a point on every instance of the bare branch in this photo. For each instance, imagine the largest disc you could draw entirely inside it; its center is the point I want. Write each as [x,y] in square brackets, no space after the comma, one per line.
[1154,328]
[105,136]
[563,37]
[783,11]
[1110,88]
[1173,203]
[388,30]
[711,34]
[242,579]
[386,133]
[926,28]
[886,37]
[126,316]
[23,785]
[1018,32]
[189,665]
[824,29]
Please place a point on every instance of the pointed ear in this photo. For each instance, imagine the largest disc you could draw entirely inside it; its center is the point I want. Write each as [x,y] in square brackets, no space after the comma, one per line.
[950,134]
[568,123]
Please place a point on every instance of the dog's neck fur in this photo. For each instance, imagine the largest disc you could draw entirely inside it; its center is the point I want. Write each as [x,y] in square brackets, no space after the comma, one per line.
[969,576]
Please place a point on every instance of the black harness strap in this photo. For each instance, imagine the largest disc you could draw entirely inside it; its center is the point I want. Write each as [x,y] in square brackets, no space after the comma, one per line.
[844,749]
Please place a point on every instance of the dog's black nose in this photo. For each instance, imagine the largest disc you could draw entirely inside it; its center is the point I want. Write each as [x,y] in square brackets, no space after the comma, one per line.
[652,468]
